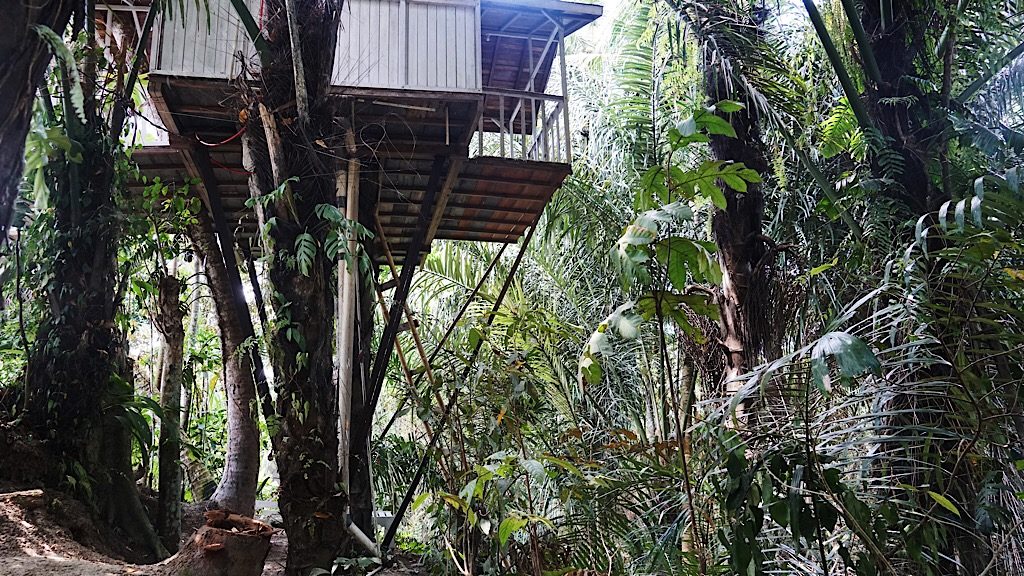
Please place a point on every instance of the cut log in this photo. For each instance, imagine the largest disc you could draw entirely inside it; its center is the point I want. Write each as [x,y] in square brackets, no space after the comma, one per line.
[229,545]
[27,499]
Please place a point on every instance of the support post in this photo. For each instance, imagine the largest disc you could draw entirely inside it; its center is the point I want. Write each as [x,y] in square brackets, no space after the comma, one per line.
[565,94]
[348,274]
[418,476]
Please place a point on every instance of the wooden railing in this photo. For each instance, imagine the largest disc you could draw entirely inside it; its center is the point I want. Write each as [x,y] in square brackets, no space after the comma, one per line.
[523,126]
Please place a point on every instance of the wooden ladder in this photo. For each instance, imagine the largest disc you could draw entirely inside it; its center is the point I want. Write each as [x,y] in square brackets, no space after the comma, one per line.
[410,325]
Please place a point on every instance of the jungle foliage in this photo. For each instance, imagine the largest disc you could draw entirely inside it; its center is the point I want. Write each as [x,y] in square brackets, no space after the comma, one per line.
[772,323]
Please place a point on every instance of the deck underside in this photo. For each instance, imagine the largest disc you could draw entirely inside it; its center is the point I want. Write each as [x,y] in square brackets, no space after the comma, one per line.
[484,198]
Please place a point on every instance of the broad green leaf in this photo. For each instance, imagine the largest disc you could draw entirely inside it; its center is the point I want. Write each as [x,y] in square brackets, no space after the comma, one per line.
[729,106]
[851,354]
[509,526]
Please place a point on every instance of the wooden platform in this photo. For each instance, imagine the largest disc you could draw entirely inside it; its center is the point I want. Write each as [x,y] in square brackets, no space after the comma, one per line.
[484,198]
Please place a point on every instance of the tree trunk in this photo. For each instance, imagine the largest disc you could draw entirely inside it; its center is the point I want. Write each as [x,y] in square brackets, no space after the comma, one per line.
[23,60]
[79,387]
[228,545]
[80,383]
[738,234]
[237,488]
[170,322]
[913,131]
[311,500]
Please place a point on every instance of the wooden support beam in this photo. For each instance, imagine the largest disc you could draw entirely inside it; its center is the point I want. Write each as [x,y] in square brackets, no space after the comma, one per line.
[257,292]
[387,338]
[412,207]
[482,225]
[454,167]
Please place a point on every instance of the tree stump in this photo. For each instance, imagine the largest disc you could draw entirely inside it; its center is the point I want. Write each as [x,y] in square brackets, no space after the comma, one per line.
[228,545]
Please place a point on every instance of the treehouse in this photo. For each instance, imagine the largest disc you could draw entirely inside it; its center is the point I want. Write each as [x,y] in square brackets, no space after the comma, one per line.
[458,99]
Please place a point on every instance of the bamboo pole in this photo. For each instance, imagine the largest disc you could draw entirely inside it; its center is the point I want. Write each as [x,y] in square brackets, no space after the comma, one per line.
[347,187]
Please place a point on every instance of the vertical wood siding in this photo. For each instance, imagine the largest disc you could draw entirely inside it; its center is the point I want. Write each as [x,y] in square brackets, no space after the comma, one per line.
[411,44]
[402,44]
[201,43]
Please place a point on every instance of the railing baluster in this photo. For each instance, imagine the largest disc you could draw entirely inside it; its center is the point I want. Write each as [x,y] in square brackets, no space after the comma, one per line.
[547,130]
[542,136]
[522,123]
[501,127]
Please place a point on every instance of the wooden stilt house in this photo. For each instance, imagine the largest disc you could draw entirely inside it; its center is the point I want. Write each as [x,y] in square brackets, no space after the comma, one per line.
[473,82]
[458,124]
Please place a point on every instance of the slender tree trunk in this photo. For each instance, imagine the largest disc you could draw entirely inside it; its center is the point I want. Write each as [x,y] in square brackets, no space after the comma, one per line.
[23,60]
[170,321]
[237,488]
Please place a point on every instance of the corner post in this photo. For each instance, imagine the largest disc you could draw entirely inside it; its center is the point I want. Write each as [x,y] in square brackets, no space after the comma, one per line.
[565,93]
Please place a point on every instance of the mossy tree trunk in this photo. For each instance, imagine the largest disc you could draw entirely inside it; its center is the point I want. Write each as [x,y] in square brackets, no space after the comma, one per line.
[80,379]
[312,499]
[79,385]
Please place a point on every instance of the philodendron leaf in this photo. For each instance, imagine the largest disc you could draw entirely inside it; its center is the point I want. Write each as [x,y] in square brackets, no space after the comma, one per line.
[305,252]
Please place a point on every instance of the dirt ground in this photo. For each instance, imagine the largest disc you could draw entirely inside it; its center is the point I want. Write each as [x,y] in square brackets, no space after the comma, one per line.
[50,534]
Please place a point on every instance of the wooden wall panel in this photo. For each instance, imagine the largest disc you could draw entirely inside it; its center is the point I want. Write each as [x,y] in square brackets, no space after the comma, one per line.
[203,43]
[403,44]
[410,44]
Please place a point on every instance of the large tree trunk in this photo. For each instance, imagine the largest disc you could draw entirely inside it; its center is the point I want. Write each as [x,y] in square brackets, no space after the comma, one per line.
[311,500]
[23,60]
[79,383]
[170,322]
[237,488]
[80,378]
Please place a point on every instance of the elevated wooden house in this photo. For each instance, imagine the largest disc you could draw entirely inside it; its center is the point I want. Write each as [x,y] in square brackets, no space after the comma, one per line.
[474,81]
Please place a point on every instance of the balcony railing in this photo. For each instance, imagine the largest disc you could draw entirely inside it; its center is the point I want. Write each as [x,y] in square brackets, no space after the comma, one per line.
[523,126]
